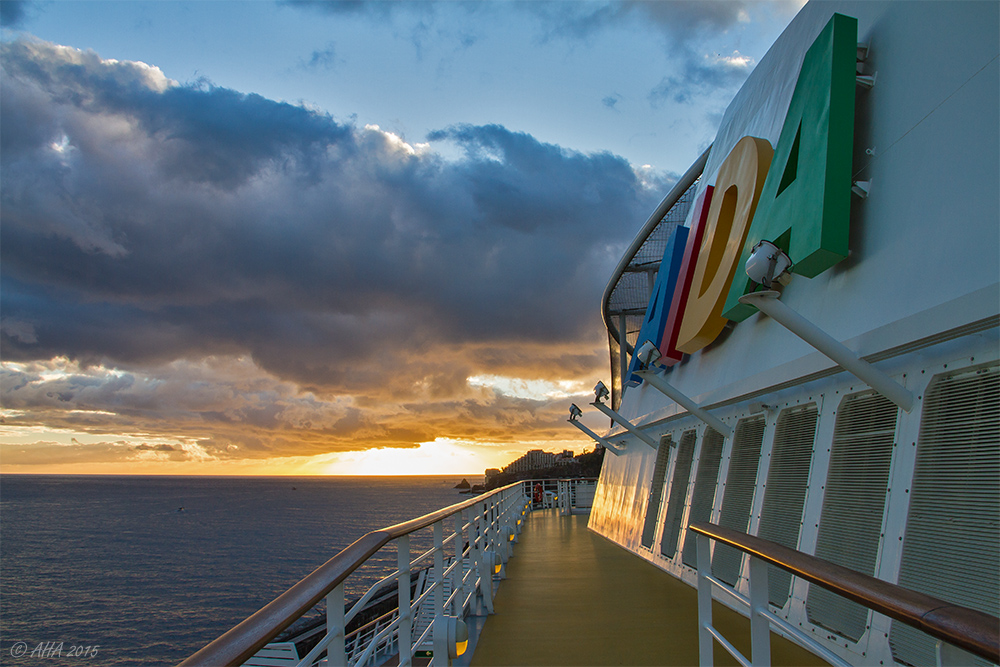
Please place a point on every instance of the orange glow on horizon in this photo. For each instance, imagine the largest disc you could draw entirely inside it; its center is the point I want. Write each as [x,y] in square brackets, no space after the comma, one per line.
[443,456]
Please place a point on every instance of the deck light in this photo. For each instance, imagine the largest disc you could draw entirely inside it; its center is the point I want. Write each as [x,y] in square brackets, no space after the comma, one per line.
[767,263]
[601,392]
[458,636]
[491,557]
[648,354]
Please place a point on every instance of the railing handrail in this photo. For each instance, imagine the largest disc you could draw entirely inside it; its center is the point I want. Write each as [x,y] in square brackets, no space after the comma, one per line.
[241,642]
[969,629]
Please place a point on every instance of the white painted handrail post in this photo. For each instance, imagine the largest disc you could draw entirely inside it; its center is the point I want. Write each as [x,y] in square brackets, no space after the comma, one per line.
[457,574]
[760,626]
[440,628]
[403,583]
[336,651]
[476,554]
[705,639]
[769,304]
[485,569]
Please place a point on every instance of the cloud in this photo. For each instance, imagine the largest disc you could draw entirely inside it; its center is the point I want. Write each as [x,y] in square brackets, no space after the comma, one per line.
[682,21]
[340,284]
[12,13]
[703,76]
[321,59]
[610,101]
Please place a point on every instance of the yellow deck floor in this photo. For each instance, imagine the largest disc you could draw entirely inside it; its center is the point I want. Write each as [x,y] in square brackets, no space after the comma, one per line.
[572,597]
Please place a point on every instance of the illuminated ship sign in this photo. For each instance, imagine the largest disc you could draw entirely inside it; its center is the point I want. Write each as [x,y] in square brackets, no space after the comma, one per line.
[797,196]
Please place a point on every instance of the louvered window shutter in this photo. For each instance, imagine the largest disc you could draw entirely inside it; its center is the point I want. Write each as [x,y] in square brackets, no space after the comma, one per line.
[703,496]
[785,490]
[738,496]
[951,548]
[655,492]
[853,504]
[678,493]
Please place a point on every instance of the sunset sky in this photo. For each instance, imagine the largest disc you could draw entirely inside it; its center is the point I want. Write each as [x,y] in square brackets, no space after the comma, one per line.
[331,238]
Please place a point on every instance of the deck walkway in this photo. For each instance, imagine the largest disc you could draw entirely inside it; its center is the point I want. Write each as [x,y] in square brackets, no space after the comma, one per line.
[572,597]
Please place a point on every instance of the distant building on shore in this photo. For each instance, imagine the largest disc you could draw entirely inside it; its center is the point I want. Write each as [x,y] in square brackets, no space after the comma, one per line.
[533,460]
[491,474]
[565,458]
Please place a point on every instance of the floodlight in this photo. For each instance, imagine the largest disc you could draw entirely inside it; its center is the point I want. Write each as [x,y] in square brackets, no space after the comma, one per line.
[601,392]
[648,354]
[574,412]
[767,263]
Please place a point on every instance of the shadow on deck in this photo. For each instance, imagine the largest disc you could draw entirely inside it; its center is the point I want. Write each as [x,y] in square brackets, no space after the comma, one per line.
[572,597]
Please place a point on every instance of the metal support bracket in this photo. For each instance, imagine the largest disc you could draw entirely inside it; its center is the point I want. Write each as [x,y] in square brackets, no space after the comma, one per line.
[861,188]
[656,381]
[769,304]
[866,80]
[608,445]
[626,424]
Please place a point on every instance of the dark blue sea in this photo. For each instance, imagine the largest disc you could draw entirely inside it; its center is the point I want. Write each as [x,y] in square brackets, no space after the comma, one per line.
[112,562]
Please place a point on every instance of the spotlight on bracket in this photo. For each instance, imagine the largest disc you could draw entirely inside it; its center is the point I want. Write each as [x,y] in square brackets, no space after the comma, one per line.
[768,263]
[648,354]
[601,392]
[575,412]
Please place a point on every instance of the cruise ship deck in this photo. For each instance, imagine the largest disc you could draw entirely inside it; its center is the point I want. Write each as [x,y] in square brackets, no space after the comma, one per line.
[571,597]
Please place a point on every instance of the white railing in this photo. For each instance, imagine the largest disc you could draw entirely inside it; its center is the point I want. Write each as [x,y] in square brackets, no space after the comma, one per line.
[471,543]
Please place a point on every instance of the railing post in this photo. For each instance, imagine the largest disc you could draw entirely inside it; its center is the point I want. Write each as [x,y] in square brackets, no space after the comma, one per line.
[336,651]
[760,626]
[475,562]
[704,602]
[440,629]
[403,583]
[458,574]
[487,568]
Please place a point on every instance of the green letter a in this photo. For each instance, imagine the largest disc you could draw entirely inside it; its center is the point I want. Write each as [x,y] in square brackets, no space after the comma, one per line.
[805,205]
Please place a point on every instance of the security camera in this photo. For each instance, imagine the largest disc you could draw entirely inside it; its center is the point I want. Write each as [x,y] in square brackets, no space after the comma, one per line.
[574,412]
[601,392]
[767,263]
[648,354]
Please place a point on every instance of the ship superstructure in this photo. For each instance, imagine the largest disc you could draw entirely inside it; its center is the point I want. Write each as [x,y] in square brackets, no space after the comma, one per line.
[807,328]
[805,396]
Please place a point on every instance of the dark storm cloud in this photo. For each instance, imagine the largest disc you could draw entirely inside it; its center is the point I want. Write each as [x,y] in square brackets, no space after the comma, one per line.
[146,221]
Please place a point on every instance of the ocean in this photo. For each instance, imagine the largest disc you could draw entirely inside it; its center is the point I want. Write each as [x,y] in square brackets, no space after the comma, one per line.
[150,569]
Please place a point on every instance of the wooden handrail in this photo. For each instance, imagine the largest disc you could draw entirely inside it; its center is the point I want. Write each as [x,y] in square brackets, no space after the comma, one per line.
[972,630]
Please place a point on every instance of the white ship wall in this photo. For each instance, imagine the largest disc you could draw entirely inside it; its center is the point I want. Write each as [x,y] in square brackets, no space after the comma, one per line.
[920,289]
